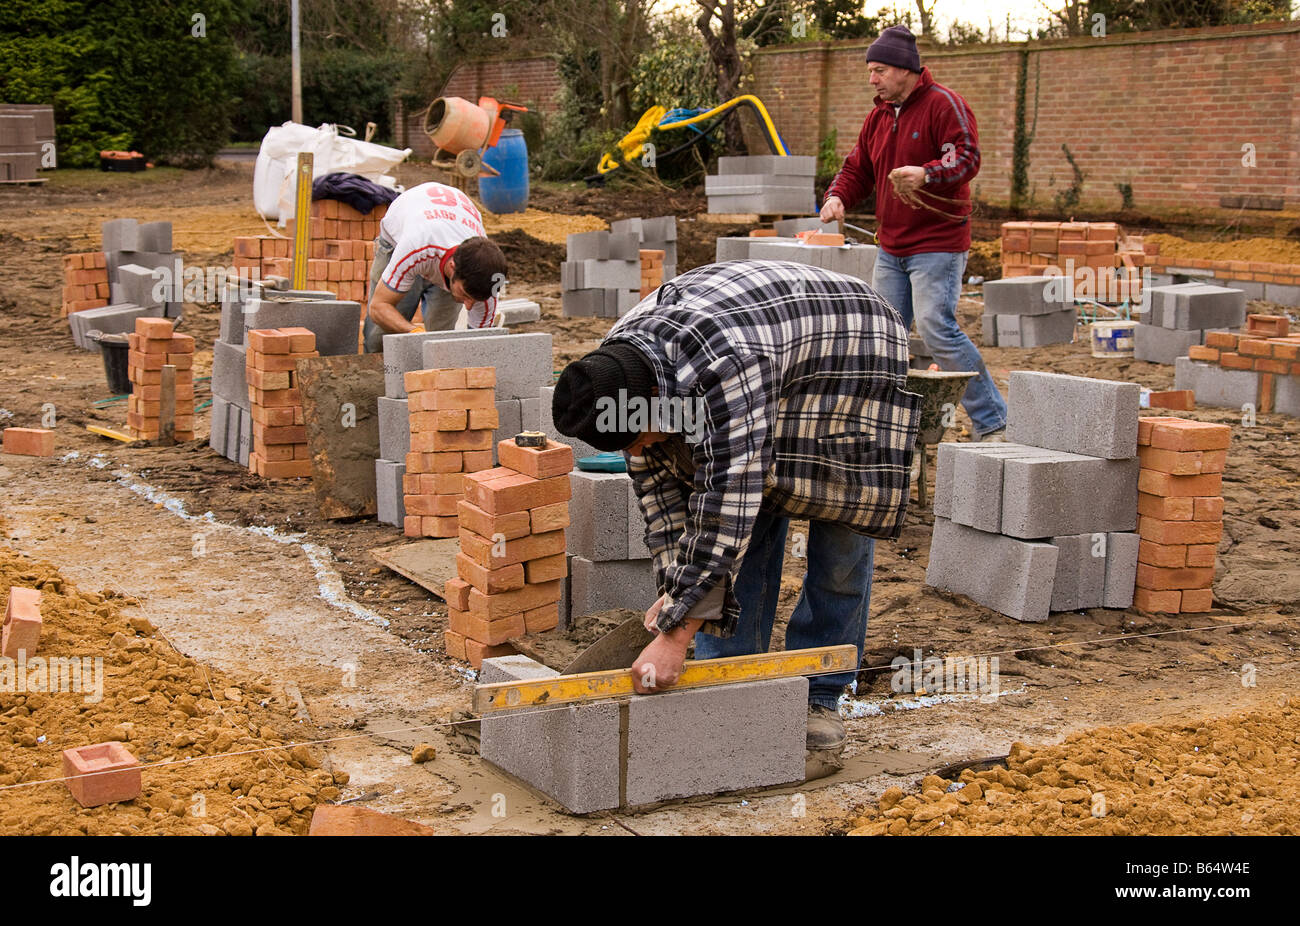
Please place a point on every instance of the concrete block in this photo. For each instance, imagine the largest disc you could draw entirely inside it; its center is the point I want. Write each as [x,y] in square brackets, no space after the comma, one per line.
[633,226]
[1007,575]
[626,300]
[771,201]
[519,311]
[603,245]
[600,274]
[1073,413]
[1251,288]
[582,303]
[510,423]
[1216,387]
[1121,569]
[217,424]
[772,164]
[712,740]
[108,319]
[636,526]
[546,424]
[599,514]
[599,586]
[516,668]
[1022,296]
[405,352]
[788,228]
[661,228]
[168,260]
[1060,493]
[791,249]
[239,435]
[229,373]
[977,482]
[1080,579]
[524,362]
[335,322]
[989,330]
[394,428]
[120,235]
[1158,344]
[154,236]
[530,414]
[1189,306]
[1036,330]
[388,491]
[732,248]
[1282,294]
[945,456]
[1286,396]
[136,285]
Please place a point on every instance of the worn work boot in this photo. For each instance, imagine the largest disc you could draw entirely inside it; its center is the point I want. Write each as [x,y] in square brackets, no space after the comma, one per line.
[994,437]
[825,729]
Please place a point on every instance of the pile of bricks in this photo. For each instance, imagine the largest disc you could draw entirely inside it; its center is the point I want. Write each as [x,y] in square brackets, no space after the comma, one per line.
[1027,311]
[1272,282]
[85,282]
[763,184]
[342,249]
[1180,512]
[1258,366]
[279,434]
[511,565]
[652,271]
[1103,264]
[1046,521]
[1179,317]
[452,414]
[152,345]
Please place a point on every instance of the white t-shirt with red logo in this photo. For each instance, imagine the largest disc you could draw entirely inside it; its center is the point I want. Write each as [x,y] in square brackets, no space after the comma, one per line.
[425,224]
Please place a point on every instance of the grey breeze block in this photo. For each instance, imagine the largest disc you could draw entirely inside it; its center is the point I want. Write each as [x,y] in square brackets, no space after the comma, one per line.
[524,362]
[1215,386]
[1007,575]
[1061,493]
[405,352]
[600,586]
[388,492]
[1021,296]
[1073,413]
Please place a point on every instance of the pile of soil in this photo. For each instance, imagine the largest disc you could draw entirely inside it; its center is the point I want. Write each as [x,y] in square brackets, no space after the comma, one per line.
[1230,776]
[1272,250]
[166,708]
[530,258]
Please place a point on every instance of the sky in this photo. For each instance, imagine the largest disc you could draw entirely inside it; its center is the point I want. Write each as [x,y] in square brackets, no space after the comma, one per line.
[1025,14]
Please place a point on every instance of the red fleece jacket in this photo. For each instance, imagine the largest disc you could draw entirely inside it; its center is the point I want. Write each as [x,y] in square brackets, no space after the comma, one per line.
[935,129]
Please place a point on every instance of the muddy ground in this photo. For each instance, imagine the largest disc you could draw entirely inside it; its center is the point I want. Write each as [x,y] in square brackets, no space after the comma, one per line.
[244,577]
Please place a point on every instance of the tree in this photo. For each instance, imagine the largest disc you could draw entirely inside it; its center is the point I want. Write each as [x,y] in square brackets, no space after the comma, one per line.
[926,14]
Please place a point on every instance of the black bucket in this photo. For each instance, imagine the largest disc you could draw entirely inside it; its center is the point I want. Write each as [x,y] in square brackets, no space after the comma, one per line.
[114,349]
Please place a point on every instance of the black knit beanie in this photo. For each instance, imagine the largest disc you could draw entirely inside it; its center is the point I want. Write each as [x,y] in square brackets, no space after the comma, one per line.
[896,46]
[576,408]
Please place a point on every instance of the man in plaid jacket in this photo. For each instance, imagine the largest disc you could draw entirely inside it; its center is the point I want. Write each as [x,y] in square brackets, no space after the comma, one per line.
[745,394]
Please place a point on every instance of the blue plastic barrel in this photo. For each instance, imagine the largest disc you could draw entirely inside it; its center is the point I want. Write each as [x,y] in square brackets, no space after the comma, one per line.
[508,192]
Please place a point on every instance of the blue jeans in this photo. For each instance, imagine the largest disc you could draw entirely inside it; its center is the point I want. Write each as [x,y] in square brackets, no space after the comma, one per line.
[928,285]
[831,610]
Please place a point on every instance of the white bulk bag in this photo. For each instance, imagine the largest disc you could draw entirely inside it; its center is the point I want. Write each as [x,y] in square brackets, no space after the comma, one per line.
[273,188]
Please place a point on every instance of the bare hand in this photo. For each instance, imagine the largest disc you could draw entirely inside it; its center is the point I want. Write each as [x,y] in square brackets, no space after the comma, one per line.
[660,664]
[906,181]
[832,210]
[652,615]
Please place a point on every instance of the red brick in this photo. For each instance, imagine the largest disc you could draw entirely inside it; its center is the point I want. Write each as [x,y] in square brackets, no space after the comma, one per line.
[421,380]
[269,341]
[1146,424]
[461,398]
[517,492]
[1271,326]
[433,462]
[287,469]
[182,361]
[288,434]
[1202,554]
[1185,434]
[263,379]
[444,441]
[1159,554]
[1178,399]
[411,526]
[1253,347]
[547,617]
[489,581]
[490,632]
[509,526]
[484,419]
[28,442]
[534,546]
[1208,509]
[348,820]
[1197,600]
[281,416]
[480,378]
[476,651]
[546,568]
[22,625]
[1179,532]
[433,506]
[448,419]
[111,774]
[1152,602]
[431,526]
[549,517]
[274,397]
[1174,462]
[1156,483]
[555,459]
[159,329]
[456,593]
[497,606]
[477,460]
[1235,362]
[273,363]
[454,644]
[1158,578]
[181,344]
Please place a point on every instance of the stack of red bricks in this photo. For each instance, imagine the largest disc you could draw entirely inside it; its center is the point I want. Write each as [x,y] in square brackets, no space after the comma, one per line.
[511,564]
[1180,512]
[85,282]
[452,414]
[279,432]
[153,345]
[1265,346]
[652,270]
[1107,265]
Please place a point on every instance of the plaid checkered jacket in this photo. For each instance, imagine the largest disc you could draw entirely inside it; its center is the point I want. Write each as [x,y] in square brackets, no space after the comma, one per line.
[803,377]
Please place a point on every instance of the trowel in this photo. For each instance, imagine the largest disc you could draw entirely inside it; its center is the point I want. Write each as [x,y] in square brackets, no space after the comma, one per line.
[617,649]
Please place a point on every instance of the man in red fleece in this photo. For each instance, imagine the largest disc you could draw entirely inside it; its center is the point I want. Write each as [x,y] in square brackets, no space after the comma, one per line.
[919,150]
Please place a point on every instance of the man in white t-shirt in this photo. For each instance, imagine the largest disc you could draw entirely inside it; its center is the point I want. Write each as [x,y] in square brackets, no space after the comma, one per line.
[431,249]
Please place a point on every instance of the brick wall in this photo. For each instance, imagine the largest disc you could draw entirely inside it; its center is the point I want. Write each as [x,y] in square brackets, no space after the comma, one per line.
[1167,112]
[532,82]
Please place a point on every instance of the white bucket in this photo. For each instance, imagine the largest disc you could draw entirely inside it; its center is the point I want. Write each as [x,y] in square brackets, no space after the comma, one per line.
[1113,338]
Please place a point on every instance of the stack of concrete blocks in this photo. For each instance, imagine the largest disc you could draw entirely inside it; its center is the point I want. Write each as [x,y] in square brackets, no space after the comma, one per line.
[1178,317]
[451,415]
[855,260]
[511,566]
[279,429]
[609,562]
[334,322]
[766,184]
[1027,311]
[603,755]
[1259,367]
[1046,521]
[656,234]
[601,276]
[152,345]
[1180,513]
[22,121]
[132,252]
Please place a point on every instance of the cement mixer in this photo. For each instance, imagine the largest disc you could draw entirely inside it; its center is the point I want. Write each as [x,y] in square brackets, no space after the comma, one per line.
[462,131]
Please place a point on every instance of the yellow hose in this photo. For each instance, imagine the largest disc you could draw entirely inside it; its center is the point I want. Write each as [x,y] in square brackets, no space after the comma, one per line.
[632,145]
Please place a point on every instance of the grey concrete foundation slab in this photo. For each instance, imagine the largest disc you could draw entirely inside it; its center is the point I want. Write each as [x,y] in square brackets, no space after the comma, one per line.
[524,362]
[1157,344]
[599,514]
[388,492]
[1080,579]
[1020,296]
[712,740]
[1061,493]
[1007,575]
[405,352]
[394,428]
[230,373]
[546,424]
[1215,386]
[335,322]
[599,586]
[1073,413]
[1121,569]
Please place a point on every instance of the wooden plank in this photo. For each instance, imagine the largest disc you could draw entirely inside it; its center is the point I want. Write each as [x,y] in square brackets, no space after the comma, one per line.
[341,410]
[705,673]
[109,432]
[428,563]
[167,407]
